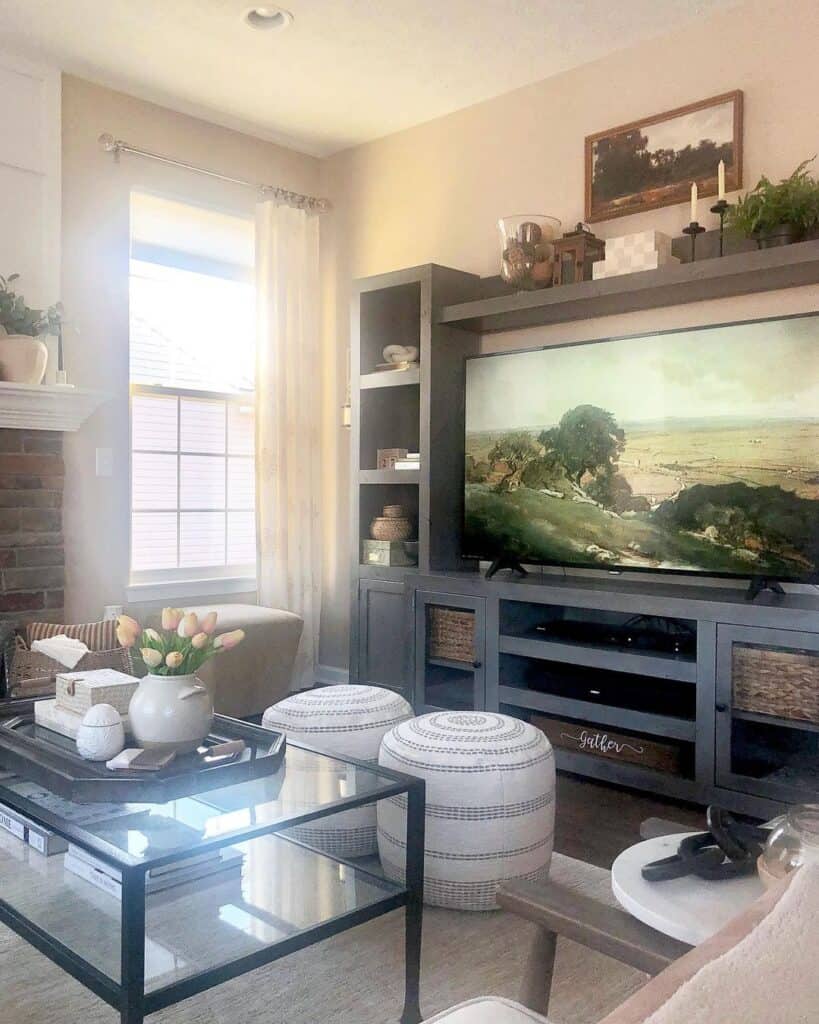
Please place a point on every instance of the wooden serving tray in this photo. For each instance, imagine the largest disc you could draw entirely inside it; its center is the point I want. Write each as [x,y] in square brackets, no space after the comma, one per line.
[50,759]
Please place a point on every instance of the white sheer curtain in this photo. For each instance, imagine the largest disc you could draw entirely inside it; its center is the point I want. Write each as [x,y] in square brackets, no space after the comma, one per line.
[288,456]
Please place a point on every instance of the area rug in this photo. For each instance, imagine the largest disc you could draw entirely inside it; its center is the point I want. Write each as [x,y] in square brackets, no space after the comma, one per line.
[354,978]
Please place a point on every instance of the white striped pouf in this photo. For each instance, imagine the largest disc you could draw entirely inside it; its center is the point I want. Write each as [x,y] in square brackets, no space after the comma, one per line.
[348,721]
[490,784]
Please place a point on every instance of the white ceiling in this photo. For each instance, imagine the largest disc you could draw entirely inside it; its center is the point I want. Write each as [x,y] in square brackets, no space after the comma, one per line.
[346,71]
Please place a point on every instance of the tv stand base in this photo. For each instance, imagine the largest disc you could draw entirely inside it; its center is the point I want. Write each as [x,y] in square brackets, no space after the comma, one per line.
[506,562]
[760,583]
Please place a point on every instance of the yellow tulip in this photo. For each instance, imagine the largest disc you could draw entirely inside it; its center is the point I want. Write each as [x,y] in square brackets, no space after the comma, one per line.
[152,658]
[171,617]
[188,625]
[128,630]
[174,659]
[199,641]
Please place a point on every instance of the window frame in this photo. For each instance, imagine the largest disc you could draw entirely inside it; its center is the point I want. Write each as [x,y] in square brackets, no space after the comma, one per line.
[188,581]
[147,584]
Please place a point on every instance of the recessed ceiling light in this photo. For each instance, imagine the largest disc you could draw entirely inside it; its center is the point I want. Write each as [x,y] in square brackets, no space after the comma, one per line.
[267,17]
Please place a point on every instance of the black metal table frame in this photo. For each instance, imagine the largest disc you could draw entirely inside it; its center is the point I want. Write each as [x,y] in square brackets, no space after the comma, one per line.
[129,996]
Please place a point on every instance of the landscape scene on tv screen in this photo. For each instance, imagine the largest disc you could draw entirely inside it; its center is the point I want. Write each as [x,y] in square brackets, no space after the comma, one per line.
[691,451]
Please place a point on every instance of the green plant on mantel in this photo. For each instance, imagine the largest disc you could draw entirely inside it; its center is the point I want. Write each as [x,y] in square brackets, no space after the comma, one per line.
[18,318]
[770,206]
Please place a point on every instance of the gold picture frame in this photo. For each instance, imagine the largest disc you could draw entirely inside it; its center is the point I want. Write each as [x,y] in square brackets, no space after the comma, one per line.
[651,162]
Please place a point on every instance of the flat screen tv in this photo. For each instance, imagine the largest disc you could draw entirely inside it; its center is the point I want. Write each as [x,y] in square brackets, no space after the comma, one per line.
[692,451]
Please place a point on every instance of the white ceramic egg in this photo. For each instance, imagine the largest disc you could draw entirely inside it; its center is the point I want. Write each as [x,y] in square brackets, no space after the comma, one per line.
[101,735]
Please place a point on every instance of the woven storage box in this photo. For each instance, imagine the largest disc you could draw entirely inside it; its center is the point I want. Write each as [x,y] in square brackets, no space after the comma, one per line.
[451,634]
[80,690]
[773,681]
[32,674]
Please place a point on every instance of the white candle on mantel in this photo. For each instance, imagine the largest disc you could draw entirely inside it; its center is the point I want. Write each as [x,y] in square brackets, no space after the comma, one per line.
[721,179]
[693,201]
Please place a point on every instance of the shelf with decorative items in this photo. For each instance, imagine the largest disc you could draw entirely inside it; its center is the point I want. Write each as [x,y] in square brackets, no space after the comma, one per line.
[739,274]
[402,450]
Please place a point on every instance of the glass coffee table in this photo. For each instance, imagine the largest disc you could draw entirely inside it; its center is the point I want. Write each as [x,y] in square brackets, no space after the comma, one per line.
[141,952]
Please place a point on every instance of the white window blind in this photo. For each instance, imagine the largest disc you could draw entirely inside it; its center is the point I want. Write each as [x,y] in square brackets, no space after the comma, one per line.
[192,354]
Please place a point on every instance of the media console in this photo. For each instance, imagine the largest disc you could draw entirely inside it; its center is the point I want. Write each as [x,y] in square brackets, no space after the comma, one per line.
[735,719]
[639,712]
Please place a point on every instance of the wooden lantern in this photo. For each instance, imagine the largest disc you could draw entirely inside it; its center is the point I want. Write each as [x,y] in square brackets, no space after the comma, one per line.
[574,255]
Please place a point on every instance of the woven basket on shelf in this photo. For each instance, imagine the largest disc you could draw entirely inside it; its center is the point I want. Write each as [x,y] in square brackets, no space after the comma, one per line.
[772,681]
[451,634]
[32,674]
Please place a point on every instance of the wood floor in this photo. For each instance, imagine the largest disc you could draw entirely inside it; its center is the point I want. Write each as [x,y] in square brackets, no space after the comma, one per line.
[595,822]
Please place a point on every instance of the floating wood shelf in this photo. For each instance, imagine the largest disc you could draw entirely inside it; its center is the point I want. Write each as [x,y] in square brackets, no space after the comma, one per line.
[46,406]
[390,378]
[743,273]
[655,664]
[601,714]
[389,476]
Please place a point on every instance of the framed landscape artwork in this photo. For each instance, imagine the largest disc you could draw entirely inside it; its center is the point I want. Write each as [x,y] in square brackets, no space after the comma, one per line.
[652,162]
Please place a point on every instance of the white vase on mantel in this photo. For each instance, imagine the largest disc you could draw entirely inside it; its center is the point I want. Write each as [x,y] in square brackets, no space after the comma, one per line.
[22,358]
[170,713]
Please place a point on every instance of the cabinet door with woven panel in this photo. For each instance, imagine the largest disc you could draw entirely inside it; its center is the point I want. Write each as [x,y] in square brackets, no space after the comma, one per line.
[767,712]
[449,652]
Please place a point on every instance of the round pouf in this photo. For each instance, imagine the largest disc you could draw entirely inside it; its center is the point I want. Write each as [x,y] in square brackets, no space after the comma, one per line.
[349,721]
[490,785]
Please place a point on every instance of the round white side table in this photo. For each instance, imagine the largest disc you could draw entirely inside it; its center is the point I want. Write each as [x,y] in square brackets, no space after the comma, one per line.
[688,909]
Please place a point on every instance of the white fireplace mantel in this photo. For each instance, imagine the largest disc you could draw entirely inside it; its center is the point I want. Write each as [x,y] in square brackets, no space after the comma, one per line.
[46,406]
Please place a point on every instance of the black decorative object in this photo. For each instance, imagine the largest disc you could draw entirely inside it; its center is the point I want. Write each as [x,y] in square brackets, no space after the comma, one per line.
[50,759]
[729,849]
[721,208]
[693,230]
[506,562]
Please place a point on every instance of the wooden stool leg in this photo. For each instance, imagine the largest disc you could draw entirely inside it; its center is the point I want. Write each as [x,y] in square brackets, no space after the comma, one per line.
[537,979]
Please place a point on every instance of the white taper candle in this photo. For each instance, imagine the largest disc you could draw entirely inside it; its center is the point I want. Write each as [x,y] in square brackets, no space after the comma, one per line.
[721,179]
[693,201]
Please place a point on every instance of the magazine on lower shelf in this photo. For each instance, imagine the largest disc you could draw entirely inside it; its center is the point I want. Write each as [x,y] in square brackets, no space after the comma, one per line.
[92,869]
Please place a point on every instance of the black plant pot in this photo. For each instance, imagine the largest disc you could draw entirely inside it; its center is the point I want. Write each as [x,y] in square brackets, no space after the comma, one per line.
[782,234]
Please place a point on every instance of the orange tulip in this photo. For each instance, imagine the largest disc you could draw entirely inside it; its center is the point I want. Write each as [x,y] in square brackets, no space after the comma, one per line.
[188,625]
[174,659]
[226,641]
[128,630]
[208,623]
[199,641]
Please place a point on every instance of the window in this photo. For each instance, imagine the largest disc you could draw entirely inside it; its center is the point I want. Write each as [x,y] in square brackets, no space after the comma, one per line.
[192,356]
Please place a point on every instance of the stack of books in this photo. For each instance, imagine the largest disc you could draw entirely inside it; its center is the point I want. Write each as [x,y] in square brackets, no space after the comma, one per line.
[222,863]
[40,838]
[412,461]
[78,692]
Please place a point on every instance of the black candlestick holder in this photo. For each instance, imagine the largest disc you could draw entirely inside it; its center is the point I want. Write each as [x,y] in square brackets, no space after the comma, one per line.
[721,207]
[693,230]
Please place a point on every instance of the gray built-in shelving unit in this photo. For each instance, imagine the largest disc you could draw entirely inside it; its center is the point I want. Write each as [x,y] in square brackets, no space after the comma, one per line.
[727,754]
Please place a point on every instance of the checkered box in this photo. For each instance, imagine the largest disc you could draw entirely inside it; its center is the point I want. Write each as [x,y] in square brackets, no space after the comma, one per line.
[629,254]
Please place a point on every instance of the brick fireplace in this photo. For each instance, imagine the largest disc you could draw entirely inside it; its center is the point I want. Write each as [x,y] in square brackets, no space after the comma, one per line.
[32,556]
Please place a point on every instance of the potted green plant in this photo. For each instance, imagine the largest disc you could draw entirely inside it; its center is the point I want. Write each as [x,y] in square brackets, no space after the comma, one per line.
[23,356]
[778,213]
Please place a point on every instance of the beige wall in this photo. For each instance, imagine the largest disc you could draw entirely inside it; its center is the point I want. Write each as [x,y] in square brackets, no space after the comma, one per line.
[95,247]
[434,193]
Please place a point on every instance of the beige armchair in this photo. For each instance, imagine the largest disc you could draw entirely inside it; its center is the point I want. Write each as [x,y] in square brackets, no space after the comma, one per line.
[248,679]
